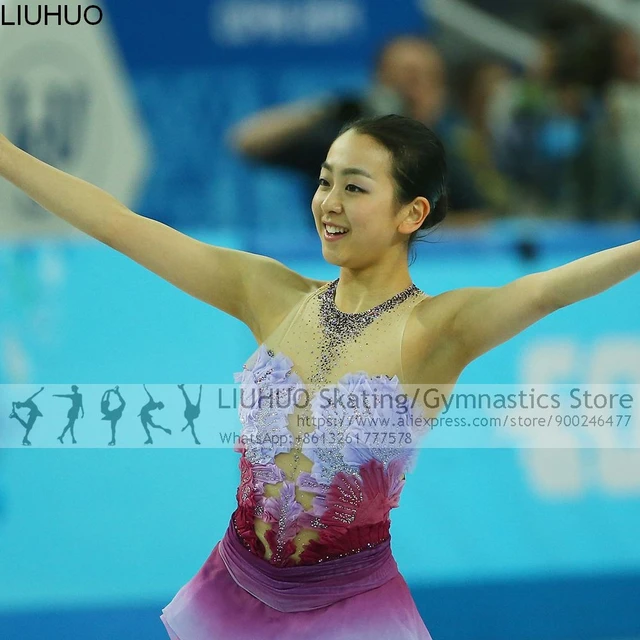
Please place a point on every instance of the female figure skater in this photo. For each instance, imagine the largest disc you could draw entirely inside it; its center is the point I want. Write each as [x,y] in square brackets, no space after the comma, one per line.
[72,414]
[307,551]
[191,412]
[147,420]
[34,414]
[113,415]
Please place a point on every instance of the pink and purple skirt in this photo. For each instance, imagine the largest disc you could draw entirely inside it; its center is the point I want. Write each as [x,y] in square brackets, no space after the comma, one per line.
[238,596]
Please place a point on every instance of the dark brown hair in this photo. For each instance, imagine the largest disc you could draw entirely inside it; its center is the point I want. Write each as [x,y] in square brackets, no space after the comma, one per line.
[419,166]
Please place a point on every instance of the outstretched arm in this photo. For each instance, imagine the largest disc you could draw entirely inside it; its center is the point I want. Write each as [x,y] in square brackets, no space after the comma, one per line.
[257,290]
[485,317]
[36,393]
[269,131]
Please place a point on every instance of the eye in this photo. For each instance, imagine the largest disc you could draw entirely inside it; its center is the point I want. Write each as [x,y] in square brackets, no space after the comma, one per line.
[357,189]
[322,182]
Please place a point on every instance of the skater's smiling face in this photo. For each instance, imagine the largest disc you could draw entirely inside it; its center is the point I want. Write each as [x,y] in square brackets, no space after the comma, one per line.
[372,197]
[356,194]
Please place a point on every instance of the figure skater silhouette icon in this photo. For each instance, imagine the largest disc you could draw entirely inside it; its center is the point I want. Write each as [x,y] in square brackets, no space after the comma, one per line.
[72,414]
[113,415]
[191,411]
[147,420]
[34,414]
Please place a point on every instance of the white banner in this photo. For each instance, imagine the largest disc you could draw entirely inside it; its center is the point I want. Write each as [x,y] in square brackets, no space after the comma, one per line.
[65,98]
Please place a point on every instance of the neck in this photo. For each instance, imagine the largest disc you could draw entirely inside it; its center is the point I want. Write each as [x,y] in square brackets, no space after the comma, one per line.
[360,290]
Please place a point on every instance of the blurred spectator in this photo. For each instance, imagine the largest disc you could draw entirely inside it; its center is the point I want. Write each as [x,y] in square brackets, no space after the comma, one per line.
[547,125]
[472,140]
[623,105]
[410,79]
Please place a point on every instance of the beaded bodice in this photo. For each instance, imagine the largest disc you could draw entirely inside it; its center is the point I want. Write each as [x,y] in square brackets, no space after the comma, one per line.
[322,463]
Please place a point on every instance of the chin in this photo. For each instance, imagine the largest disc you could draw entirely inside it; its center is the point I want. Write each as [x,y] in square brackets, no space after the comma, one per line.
[332,258]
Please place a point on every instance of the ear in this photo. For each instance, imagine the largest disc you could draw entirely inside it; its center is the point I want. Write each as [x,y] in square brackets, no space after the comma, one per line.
[413,215]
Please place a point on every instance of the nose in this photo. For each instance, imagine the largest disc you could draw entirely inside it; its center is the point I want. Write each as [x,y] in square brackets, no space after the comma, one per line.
[331,203]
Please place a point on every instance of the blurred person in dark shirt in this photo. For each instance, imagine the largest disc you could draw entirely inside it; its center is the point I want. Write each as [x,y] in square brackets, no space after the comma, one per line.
[546,123]
[472,139]
[410,79]
[620,142]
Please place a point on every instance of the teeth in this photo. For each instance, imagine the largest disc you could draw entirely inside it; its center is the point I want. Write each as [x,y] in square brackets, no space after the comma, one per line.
[331,229]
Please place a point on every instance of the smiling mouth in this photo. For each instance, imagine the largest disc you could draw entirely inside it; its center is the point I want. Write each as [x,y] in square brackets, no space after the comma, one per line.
[332,232]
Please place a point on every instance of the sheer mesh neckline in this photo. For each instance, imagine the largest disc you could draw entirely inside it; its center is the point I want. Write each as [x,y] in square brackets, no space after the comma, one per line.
[395,299]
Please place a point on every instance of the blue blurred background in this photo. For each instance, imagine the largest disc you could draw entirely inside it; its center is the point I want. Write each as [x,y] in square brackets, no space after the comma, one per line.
[158,105]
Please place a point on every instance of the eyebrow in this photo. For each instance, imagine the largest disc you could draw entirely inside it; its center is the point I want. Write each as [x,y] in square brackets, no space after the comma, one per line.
[349,171]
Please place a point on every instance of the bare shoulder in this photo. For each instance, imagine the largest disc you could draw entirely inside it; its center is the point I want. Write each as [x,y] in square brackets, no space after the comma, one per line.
[437,312]
[447,304]
[274,290]
[431,350]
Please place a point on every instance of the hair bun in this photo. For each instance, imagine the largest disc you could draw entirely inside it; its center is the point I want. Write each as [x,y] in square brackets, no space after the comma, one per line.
[438,213]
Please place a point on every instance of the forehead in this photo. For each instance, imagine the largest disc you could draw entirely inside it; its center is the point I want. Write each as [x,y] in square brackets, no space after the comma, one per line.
[412,53]
[361,151]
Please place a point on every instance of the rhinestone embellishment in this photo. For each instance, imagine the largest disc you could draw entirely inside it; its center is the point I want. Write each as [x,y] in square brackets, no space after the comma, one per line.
[339,328]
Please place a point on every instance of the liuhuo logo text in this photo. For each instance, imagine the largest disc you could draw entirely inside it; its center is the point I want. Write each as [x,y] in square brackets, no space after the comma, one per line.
[44,14]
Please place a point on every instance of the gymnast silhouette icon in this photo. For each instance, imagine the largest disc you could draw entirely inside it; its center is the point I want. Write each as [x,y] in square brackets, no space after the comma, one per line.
[146,419]
[113,415]
[191,412]
[34,414]
[72,414]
